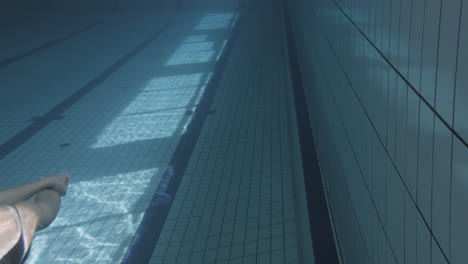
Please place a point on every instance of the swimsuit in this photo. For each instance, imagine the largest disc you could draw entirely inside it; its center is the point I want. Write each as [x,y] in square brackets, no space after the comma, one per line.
[16,252]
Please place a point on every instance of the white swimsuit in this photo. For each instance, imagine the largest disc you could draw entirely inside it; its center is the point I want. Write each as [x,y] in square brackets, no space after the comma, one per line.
[12,244]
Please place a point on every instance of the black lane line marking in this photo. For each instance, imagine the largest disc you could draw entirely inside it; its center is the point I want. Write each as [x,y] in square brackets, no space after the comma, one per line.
[150,228]
[34,118]
[37,118]
[325,251]
[56,113]
[8,61]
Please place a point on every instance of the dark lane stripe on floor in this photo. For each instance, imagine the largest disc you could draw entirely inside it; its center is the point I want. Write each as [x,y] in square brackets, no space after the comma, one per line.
[56,112]
[149,230]
[13,59]
[325,251]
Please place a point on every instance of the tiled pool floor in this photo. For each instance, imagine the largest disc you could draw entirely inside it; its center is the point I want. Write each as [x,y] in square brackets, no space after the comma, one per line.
[236,201]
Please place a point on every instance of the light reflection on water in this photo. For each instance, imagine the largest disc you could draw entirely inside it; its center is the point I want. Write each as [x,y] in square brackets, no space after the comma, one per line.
[215,21]
[156,112]
[159,110]
[97,220]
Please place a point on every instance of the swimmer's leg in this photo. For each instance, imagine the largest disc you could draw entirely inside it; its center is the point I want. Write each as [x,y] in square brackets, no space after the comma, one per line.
[48,202]
[38,214]
[58,183]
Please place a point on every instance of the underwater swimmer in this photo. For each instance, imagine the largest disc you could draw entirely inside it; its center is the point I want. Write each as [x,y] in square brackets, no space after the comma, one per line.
[20,218]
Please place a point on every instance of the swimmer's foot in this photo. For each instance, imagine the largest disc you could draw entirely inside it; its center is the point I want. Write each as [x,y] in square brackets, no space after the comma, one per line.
[58,183]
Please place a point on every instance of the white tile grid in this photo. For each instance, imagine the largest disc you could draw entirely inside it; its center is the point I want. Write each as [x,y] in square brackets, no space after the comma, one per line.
[429,50]
[344,213]
[404,37]
[458,214]
[419,144]
[38,30]
[48,25]
[70,65]
[416,38]
[447,58]
[235,203]
[461,90]
[210,4]
[104,109]
[111,187]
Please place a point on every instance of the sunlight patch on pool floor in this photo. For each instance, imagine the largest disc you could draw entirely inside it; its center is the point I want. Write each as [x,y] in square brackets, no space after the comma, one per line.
[97,220]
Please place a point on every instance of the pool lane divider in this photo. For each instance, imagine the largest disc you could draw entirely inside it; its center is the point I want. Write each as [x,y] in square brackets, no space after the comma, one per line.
[324,246]
[146,237]
[40,122]
[31,52]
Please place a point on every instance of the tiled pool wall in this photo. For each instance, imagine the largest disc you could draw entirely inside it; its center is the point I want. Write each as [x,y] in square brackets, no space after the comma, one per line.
[302,213]
[387,89]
